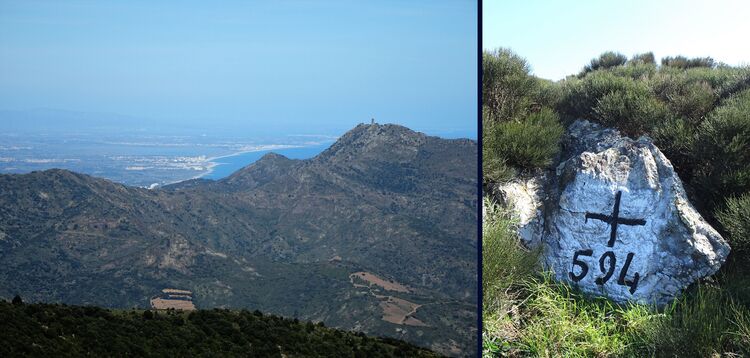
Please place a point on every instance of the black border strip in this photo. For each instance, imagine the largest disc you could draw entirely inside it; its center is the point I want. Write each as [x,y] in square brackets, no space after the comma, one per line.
[479,179]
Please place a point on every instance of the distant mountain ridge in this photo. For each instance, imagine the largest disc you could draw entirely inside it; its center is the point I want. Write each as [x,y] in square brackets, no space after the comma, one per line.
[280,235]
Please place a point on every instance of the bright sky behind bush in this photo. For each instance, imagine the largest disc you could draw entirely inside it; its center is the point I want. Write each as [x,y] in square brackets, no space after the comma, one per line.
[296,66]
[559,37]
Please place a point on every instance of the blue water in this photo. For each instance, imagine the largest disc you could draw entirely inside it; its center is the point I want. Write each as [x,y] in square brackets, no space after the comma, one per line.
[228,165]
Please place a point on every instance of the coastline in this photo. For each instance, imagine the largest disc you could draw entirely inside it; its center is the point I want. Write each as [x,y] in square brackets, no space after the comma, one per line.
[213,162]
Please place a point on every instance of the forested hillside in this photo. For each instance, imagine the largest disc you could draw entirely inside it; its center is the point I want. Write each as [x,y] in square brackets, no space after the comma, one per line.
[59,331]
[697,111]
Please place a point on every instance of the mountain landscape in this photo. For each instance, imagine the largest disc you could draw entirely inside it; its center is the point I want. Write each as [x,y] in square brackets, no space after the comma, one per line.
[376,234]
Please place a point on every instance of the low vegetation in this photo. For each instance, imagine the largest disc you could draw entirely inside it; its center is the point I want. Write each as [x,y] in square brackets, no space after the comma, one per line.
[47,330]
[528,142]
[735,219]
[520,128]
[698,112]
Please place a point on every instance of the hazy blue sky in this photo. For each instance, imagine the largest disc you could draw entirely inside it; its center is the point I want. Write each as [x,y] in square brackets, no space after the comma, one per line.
[559,37]
[302,66]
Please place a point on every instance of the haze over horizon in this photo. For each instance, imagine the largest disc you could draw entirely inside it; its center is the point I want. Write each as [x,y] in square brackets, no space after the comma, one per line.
[563,38]
[264,67]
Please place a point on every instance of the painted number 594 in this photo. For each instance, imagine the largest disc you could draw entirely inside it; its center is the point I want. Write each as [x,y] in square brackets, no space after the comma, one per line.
[607,264]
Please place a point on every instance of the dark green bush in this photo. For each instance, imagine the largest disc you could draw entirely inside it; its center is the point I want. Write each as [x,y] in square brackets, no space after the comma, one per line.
[723,149]
[515,116]
[715,77]
[734,80]
[635,70]
[643,58]
[606,60]
[507,87]
[494,168]
[676,139]
[633,110]
[684,62]
[614,101]
[735,218]
[686,96]
[548,93]
[531,142]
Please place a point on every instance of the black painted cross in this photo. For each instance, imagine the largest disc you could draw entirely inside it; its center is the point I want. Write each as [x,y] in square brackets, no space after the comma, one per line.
[614,219]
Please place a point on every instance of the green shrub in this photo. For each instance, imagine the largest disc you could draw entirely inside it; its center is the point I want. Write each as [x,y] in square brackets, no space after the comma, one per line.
[614,101]
[548,93]
[715,77]
[643,58]
[735,218]
[580,97]
[723,150]
[685,95]
[633,110]
[507,87]
[684,62]
[519,129]
[606,60]
[734,80]
[675,137]
[531,142]
[635,71]
[494,168]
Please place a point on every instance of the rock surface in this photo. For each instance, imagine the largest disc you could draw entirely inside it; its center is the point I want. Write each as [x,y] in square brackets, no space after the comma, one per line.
[617,221]
[524,198]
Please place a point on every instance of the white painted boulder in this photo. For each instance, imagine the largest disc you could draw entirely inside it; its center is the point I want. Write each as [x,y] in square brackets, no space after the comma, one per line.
[617,221]
[523,196]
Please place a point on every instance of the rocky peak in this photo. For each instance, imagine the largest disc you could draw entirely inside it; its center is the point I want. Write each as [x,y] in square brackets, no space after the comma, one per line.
[366,141]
